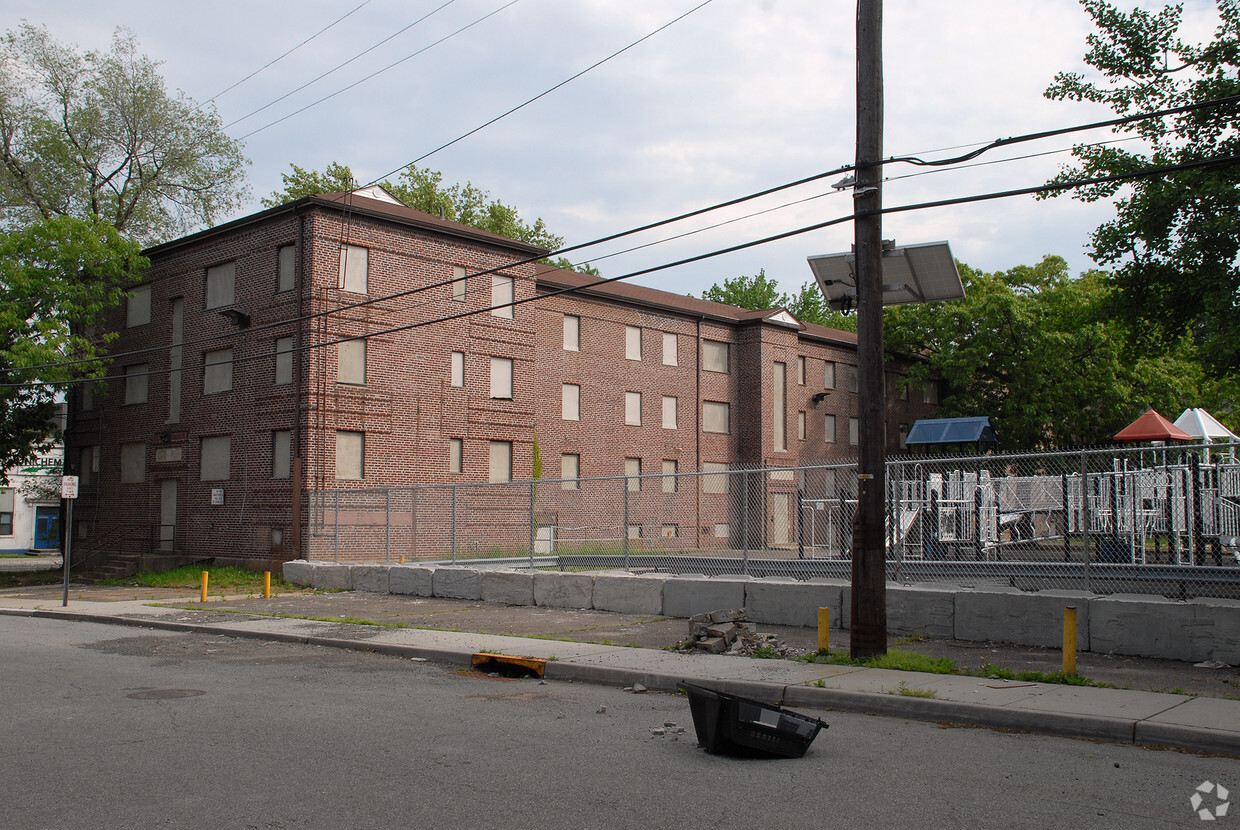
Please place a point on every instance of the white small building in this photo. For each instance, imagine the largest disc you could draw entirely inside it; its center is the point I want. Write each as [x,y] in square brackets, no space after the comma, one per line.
[30,505]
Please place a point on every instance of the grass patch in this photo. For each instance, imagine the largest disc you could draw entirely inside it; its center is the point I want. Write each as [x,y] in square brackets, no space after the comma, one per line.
[223,577]
[1000,673]
[894,659]
[23,579]
[904,690]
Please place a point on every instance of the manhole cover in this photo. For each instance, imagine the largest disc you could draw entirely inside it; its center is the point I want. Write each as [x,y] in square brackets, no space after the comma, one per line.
[165,694]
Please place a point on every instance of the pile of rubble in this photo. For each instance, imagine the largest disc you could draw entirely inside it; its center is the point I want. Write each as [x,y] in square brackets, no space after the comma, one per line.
[728,632]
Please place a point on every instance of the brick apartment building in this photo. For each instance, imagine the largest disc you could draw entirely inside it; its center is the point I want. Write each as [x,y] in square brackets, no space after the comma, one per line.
[366,344]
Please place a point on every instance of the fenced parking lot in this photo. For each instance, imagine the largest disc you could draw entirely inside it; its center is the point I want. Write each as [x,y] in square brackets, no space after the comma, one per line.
[1145,520]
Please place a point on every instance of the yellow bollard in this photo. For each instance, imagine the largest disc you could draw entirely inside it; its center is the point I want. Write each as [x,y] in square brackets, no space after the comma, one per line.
[824,632]
[1069,640]
[204,586]
[402,559]
[267,584]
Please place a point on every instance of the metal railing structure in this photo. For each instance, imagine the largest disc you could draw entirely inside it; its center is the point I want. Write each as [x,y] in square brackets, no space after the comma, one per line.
[1162,520]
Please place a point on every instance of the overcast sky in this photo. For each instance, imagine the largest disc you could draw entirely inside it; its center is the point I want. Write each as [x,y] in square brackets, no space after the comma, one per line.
[737,97]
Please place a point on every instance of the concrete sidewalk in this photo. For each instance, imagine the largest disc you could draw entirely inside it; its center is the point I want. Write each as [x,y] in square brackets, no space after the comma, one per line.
[1199,724]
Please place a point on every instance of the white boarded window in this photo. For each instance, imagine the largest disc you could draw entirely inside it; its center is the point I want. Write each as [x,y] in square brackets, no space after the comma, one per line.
[221,284]
[721,530]
[570,402]
[633,470]
[133,463]
[715,356]
[501,378]
[572,333]
[800,426]
[669,531]
[853,431]
[217,371]
[458,283]
[287,269]
[137,378]
[350,455]
[634,531]
[800,371]
[354,269]
[281,453]
[351,362]
[138,309]
[828,375]
[853,379]
[456,455]
[715,417]
[671,349]
[633,409]
[670,413]
[669,475]
[284,360]
[828,429]
[570,471]
[716,479]
[457,376]
[930,392]
[632,343]
[89,466]
[500,461]
[501,296]
[214,463]
[901,389]
[779,400]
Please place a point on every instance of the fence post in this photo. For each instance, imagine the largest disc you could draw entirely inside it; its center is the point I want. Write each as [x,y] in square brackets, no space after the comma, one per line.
[454,489]
[336,534]
[624,530]
[1194,468]
[745,519]
[1084,520]
[800,525]
[387,524]
[1067,520]
[533,529]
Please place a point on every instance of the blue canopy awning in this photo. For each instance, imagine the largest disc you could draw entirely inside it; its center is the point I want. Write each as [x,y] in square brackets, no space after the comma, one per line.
[952,431]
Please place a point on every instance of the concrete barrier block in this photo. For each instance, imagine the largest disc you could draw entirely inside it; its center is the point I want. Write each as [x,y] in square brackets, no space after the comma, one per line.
[299,572]
[628,594]
[370,578]
[1012,616]
[1141,625]
[411,580]
[508,587]
[922,609]
[564,590]
[786,601]
[691,594]
[457,583]
[1215,634]
[331,576]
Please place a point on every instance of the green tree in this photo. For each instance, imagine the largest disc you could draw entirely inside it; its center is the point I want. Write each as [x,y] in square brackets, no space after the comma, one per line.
[1038,351]
[57,277]
[300,182]
[755,292]
[96,134]
[808,306]
[1175,241]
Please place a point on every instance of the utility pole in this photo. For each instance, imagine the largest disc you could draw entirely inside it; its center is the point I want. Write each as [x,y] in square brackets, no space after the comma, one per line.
[869,553]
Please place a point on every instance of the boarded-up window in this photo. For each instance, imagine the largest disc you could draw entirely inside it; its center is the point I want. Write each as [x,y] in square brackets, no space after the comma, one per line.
[215,460]
[284,360]
[281,453]
[221,285]
[354,269]
[854,431]
[501,378]
[930,392]
[779,414]
[716,479]
[501,296]
[632,343]
[350,455]
[670,413]
[458,283]
[458,369]
[175,355]
[715,356]
[456,455]
[88,395]
[633,470]
[633,409]
[800,371]
[800,426]
[500,461]
[669,475]
[286,278]
[217,371]
[715,416]
[828,375]
[828,429]
[570,471]
[133,463]
[854,380]
[137,378]
[671,350]
[669,531]
[570,402]
[89,467]
[572,333]
[138,309]
[351,362]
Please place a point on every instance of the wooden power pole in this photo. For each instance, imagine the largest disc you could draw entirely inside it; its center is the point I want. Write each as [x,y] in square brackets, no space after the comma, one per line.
[869,553]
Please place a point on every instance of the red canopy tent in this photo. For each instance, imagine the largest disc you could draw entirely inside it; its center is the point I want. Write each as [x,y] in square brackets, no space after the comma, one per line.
[1152,427]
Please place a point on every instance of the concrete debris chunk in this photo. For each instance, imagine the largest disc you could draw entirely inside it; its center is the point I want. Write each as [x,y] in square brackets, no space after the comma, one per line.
[728,631]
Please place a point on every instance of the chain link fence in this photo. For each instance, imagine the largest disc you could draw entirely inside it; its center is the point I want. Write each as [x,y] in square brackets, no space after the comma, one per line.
[1162,520]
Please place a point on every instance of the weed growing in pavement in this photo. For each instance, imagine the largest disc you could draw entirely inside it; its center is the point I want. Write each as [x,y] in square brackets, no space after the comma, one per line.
[894,659]
[904,690]
[999,673]
[223,577]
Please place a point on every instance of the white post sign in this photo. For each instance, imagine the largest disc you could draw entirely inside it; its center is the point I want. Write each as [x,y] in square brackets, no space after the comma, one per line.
[68,487]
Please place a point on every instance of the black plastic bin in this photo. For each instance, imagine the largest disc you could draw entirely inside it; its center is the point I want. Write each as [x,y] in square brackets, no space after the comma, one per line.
[731,725]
